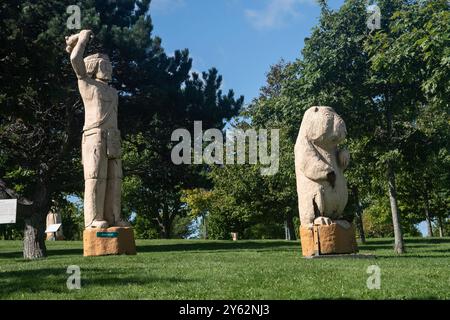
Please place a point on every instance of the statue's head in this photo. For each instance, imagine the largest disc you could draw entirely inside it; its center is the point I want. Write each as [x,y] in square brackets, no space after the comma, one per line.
[323,126]
[98,66]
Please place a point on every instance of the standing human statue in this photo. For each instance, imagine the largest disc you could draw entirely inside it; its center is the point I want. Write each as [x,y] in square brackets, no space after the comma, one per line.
[54,217]
[101,142]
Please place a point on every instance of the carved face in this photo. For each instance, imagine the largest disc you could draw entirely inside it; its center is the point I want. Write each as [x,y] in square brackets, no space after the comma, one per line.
[104,70]
[323,126]
[99,67]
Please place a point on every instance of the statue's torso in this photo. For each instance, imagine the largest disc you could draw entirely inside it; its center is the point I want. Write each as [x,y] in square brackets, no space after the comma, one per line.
[335,199]
[100,104]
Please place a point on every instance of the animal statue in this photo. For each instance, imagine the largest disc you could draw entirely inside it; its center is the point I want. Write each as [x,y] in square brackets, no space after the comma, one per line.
[319,167]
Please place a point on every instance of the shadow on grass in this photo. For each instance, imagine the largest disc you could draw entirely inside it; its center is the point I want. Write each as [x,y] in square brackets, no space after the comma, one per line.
[373,247]
[64,252]
[50,252]
[173,247]
[54,280]
[414,256]
[442,251]
[412,243]
[218,246]
[391,247]
[274,245]
[11,255]
[428,240]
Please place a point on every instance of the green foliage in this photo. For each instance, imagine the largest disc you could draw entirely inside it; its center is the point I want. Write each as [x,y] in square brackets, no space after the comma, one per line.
[72,220]
[145,228]
[12,231]
[378,223]
[243,198]
[183,227]
[264,231]
[198,201]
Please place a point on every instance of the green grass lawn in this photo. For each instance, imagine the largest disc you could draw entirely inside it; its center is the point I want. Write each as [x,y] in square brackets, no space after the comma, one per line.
[182,269]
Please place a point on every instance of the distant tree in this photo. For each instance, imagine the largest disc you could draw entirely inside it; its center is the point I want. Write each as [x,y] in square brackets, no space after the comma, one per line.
[199,203]
[71,219]
[409,73]
[252,204]
[156,182]
[183,227]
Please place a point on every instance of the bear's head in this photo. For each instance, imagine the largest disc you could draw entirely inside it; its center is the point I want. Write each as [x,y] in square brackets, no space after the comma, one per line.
[323,126]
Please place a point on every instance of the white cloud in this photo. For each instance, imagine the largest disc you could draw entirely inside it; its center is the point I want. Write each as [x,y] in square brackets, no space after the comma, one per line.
[166,5]
[276,14]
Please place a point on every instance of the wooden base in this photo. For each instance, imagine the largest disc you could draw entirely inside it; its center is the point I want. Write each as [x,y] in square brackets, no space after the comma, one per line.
[326,240]
[110,241]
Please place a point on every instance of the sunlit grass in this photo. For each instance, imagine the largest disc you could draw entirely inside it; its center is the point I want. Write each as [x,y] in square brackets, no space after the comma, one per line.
[182,269]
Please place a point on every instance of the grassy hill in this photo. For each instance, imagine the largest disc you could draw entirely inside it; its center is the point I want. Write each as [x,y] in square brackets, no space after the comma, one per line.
[182,269]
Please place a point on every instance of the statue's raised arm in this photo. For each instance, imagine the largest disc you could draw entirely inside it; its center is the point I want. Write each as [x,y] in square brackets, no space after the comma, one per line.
[76,45]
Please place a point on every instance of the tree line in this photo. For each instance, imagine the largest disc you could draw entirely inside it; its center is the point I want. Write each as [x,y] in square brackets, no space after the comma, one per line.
[390,85]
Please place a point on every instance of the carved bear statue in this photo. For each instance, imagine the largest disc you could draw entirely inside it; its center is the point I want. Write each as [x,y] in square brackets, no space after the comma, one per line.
[319,167]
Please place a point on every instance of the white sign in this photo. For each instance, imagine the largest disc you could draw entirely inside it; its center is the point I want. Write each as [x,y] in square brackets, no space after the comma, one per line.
[8,209]
[53,228]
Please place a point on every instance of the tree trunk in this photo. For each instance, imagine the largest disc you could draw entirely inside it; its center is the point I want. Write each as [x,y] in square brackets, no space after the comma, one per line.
[399,245]
[359,222]
[165,223]
[441,227]
[429,225]
[360,227]
[205,226]
[167,230]
[290,226]
[427,214]
[34,233]
[34,241]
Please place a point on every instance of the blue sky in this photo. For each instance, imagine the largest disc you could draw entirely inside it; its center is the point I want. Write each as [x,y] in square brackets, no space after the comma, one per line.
[241,38]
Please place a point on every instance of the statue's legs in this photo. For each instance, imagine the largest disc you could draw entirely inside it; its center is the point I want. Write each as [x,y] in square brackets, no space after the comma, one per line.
[311,206]
[113,207]
[95,164]
[94,197]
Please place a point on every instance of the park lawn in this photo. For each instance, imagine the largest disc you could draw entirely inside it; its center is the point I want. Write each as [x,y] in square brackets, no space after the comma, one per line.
[195,269]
